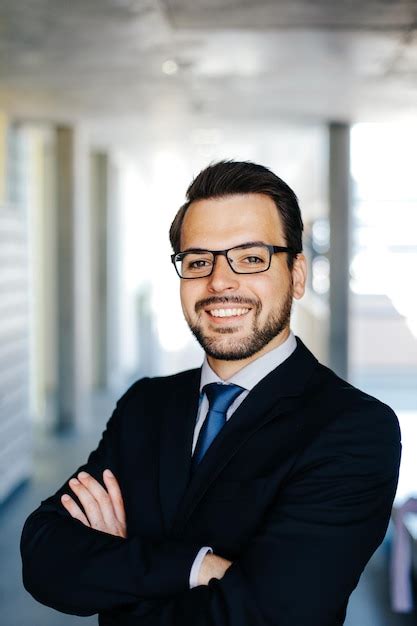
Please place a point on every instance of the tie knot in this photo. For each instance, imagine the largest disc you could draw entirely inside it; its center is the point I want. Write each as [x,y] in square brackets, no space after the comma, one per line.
[220,397]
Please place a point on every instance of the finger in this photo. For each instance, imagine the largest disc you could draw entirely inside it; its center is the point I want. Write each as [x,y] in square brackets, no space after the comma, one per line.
[73,509]
[89,504]
[101,497]
[115,494]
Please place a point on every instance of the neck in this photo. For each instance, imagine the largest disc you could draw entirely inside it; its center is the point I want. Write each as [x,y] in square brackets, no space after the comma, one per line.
[227,369]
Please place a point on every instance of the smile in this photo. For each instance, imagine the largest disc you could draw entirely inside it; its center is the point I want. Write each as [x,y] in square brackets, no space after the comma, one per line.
[227,312]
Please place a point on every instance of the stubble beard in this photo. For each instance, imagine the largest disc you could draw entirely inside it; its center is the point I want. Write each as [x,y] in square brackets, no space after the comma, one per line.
[235,350]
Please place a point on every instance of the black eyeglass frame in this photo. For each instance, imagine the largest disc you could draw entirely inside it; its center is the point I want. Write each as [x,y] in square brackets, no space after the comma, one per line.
[178,256]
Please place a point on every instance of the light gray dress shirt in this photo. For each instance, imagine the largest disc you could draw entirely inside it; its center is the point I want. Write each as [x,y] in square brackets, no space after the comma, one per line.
[247,378]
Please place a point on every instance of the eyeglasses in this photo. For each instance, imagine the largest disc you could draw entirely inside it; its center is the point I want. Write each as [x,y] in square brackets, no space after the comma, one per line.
[248,258]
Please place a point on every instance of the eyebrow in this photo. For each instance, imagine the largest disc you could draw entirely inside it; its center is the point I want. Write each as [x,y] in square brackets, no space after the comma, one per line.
[247,244]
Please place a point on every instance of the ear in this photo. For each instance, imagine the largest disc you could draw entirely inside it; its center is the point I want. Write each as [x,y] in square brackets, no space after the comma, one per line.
[299,276]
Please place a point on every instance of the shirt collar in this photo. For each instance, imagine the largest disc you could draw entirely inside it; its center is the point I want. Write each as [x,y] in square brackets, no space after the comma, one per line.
[251,374]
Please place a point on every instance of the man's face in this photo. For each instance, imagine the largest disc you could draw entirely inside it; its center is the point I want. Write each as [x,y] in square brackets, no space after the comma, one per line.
[261,303]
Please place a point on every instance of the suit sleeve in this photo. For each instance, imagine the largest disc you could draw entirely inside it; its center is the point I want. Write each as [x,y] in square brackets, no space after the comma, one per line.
[310,550]
[76,569]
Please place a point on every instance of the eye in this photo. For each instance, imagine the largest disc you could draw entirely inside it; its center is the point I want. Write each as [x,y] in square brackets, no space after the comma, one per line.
[253,260]
[198,263]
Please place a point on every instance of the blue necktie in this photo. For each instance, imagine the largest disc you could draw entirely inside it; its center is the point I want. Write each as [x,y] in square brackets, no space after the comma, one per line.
[220,397]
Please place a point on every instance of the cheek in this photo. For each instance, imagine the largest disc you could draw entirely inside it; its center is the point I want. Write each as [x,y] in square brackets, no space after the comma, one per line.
[188,296]
[266,290]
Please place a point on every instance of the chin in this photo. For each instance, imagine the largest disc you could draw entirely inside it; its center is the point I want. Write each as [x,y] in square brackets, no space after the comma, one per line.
[228,349]
[229,353]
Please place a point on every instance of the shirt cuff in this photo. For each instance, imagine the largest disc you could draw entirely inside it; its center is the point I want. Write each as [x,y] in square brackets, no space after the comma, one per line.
[197,564]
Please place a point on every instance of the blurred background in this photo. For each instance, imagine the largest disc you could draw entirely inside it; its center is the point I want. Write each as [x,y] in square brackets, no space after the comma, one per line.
[108,108]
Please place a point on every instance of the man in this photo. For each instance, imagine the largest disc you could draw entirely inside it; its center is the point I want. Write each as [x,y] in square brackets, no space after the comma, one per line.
[251,491]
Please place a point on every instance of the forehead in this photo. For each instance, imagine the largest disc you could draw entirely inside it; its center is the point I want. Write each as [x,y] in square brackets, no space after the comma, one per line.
[219,223]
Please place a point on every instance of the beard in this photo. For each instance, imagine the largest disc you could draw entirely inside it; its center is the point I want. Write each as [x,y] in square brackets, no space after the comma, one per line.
[260,335]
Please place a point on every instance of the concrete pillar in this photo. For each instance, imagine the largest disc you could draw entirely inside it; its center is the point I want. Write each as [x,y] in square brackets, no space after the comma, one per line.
[340,239]
[73,280]
[65,405]
[99,256]
[115,295]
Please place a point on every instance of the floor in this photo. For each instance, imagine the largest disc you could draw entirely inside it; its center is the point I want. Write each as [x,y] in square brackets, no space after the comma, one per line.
[55,458]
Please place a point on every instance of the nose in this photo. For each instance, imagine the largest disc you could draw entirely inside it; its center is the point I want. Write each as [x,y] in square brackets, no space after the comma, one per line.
[222,278]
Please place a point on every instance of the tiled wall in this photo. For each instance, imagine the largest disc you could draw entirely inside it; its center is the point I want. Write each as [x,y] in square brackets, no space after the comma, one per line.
[15,456]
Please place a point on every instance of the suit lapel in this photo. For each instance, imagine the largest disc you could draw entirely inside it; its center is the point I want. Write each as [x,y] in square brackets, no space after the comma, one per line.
[177,429]
[278,393]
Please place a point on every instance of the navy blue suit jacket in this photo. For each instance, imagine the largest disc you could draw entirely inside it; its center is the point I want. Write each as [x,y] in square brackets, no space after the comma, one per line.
[296,490]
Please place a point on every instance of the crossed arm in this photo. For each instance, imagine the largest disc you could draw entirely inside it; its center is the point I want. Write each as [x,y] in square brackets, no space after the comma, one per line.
[104,511]
[291,572]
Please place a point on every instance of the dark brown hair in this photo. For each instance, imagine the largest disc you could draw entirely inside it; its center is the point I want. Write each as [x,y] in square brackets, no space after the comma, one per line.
[227,178]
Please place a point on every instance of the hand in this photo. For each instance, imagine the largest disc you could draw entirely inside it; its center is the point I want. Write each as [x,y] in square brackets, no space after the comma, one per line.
[213,566]
[103,510]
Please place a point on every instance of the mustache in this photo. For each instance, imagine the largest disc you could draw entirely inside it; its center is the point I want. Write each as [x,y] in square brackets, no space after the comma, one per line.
[202,304]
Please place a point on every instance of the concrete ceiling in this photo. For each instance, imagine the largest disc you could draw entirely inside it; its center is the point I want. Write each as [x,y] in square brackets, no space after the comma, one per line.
[165,61]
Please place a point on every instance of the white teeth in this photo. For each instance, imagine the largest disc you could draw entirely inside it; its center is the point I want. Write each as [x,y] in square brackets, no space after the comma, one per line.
[228,312]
